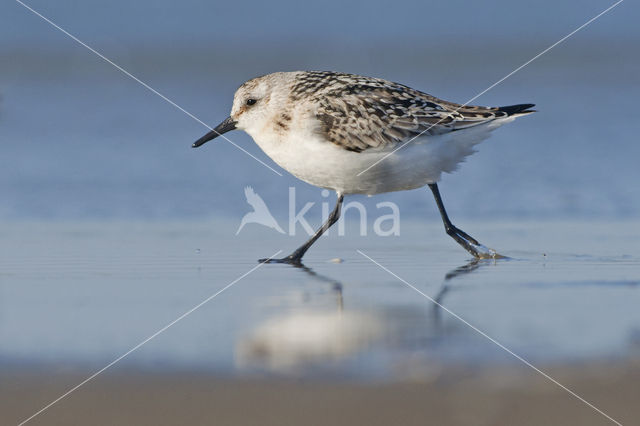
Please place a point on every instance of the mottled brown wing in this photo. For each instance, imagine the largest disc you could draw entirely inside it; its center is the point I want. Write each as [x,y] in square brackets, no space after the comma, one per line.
[385,115]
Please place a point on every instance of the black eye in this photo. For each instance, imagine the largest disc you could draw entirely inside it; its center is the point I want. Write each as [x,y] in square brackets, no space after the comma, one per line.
[251,101]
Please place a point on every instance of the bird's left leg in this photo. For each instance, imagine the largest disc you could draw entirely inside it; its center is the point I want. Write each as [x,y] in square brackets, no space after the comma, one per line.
[469,243]
[295,258]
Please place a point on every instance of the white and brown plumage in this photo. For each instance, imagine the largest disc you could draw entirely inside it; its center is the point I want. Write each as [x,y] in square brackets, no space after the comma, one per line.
[327,128]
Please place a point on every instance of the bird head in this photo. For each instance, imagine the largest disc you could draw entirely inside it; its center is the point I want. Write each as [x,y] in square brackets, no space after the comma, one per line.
[253,105]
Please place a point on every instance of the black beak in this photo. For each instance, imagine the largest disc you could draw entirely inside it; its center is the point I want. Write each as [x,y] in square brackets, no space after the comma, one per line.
[224,127]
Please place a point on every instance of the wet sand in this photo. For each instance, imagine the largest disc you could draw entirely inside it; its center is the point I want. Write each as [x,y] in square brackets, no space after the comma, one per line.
[494,396]
[338,343]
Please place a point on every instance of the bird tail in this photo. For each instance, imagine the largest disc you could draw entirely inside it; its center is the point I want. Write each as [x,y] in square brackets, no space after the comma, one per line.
[461,143]
[517,110]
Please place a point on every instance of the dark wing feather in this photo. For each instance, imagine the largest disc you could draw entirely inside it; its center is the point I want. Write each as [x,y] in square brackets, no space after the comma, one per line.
[359,113]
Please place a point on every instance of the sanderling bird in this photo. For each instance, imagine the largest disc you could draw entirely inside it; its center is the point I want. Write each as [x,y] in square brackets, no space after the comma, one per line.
[361,135]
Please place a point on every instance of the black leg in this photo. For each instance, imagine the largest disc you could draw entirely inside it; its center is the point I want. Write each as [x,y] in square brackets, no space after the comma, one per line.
[295,258]
[465,240]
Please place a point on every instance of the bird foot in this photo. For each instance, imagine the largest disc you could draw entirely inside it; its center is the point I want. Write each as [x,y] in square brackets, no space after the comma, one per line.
[480,251]
[289,260]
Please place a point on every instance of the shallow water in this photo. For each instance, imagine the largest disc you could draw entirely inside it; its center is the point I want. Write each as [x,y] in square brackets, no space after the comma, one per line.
[83,294]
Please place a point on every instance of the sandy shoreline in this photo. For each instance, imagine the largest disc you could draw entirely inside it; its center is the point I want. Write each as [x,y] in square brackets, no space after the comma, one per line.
[494,396]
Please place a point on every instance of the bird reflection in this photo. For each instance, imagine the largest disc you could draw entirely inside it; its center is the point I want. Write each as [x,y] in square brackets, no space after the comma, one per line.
[310,333]
[465,269]
[336,286]
[446,287]
[304,335]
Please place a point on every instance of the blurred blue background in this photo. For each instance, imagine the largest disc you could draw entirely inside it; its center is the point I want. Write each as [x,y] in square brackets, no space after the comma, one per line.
[81,141]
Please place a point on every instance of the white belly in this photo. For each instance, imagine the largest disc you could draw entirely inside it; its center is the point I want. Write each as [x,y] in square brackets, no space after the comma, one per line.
[418,163]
